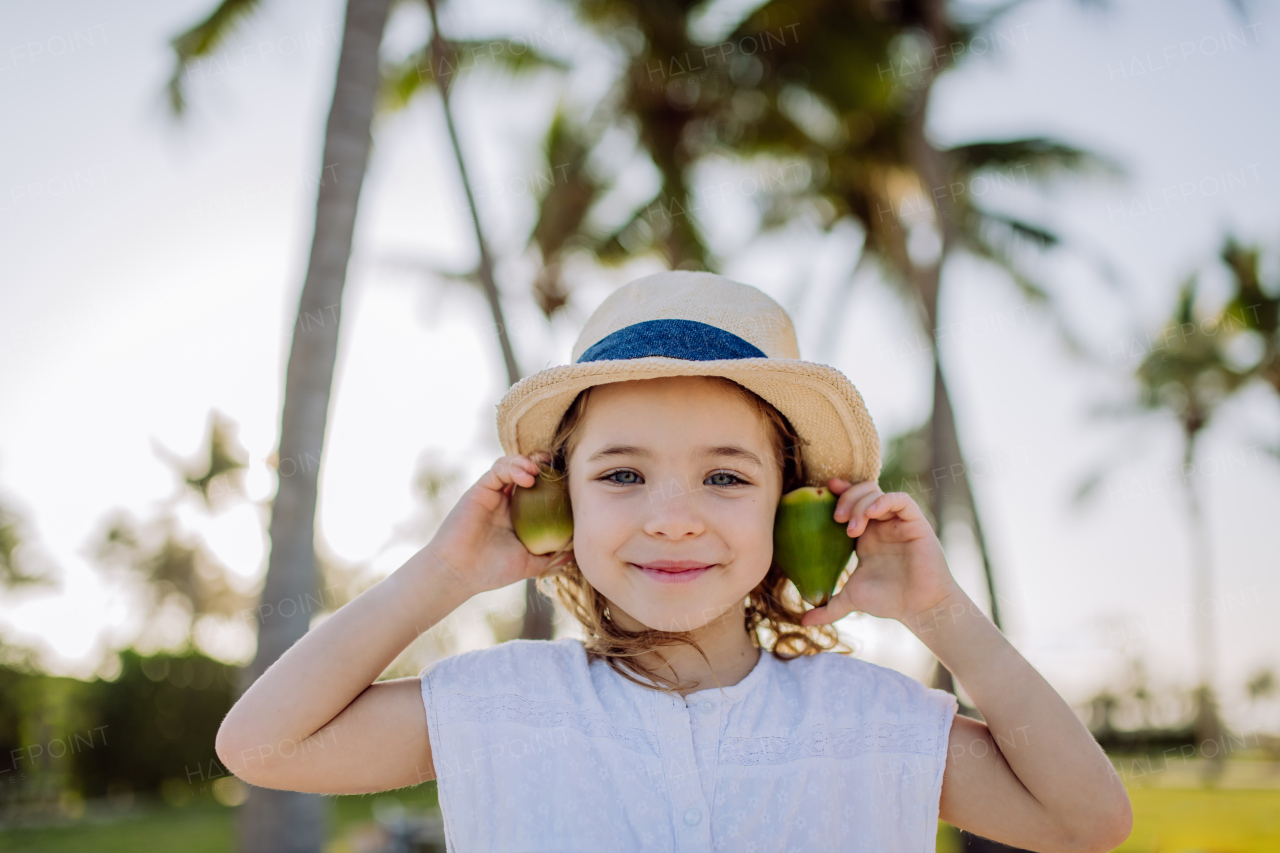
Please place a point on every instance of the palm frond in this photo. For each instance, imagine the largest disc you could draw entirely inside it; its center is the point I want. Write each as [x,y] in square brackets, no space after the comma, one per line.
[1125,452]
[986,19]
[225,459]
[203,40]
[993,239]
[402,80]
[1252,307]
[572,189]
[1184,312]
[633,237]
[996,238]
[1011,231]
[1034,158]
[1088,485]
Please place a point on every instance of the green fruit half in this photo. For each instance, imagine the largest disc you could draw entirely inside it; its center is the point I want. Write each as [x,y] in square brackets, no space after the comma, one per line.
[541,515]
[809,545]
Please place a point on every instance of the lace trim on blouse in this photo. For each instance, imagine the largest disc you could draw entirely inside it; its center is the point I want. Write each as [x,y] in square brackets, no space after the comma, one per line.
[822,742]
[511,708]
[814,742]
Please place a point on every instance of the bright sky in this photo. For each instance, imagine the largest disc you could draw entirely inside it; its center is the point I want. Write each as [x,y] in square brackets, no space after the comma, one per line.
[151,272]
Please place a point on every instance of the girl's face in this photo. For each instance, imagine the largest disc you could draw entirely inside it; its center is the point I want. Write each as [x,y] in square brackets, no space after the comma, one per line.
[674,483]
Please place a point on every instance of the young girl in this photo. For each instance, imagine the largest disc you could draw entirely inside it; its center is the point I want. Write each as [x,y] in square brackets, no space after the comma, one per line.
[705,708]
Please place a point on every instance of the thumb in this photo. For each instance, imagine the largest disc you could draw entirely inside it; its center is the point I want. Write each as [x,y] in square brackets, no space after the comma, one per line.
[815,616]
[547,565]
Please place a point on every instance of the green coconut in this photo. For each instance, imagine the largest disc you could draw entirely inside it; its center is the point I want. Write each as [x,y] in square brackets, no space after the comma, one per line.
[809,545]
[541,515]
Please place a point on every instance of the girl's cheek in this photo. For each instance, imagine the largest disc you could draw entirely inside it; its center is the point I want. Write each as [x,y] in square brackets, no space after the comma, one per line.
[601,526]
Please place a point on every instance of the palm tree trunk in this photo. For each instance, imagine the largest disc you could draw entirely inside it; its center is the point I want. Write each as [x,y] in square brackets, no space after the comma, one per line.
[947,457]
[538,608]
[951,487]
[951,477]
[285,821]
[1208,726]
[951,484]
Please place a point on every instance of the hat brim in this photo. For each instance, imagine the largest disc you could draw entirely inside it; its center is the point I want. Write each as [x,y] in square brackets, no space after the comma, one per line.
[837,435]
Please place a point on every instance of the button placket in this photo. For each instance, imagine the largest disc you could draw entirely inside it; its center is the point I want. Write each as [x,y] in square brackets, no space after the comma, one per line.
[704,720]
[689,808]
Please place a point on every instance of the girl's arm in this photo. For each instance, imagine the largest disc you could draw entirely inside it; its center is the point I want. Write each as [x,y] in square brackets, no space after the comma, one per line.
[316,720]
[1031,775]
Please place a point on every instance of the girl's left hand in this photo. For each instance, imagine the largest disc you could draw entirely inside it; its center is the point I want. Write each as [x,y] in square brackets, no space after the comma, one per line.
[901,570]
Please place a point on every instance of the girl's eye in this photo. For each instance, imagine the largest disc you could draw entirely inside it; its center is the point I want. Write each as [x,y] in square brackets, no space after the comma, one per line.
[624,477]
[723,478]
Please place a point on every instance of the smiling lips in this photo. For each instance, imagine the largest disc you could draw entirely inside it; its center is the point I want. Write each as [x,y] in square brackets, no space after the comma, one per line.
[674,571]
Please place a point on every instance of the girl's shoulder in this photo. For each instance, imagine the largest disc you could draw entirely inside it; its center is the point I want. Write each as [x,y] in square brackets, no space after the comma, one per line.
[538,666]
[843,681]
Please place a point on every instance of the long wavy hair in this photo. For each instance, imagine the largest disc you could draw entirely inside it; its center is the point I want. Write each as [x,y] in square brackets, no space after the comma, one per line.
[772,611]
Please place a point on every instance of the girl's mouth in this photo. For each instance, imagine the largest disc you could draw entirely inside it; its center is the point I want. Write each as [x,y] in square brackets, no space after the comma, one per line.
[674,571]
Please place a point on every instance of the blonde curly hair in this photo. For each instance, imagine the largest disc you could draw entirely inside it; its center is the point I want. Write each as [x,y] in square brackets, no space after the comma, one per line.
[773,608]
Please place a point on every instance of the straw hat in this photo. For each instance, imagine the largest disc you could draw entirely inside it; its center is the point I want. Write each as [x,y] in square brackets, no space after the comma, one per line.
[683,323]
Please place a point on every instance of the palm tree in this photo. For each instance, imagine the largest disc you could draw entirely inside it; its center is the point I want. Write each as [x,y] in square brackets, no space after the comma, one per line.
[843,89]
[437,62]
[901,188]
[172,566]
[275,820]
[1189,382]
[1187,375]
[286,820]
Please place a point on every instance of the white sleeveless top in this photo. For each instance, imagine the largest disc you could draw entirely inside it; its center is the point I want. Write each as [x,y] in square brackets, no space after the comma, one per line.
[537,749]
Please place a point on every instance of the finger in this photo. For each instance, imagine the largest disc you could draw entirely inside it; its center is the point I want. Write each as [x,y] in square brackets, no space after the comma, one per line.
[552,564]
[849,494]
[892,504]
[509,470]
[839,606]
[816,616]
[833,611]
[857,510]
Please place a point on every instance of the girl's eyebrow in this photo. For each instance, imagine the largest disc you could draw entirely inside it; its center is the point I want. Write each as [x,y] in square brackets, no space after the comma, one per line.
[730,450]
[620,450]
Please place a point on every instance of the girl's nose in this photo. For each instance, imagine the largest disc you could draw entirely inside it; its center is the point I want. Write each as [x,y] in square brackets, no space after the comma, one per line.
[673,512]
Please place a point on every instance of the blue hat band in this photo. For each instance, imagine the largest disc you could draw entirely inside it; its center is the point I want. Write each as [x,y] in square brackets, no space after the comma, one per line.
[686,339]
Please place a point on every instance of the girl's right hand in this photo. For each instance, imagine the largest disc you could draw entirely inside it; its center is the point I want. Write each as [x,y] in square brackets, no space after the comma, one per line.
[476,542]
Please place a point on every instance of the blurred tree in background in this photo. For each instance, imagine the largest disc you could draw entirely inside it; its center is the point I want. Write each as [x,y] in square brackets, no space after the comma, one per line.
[434,66]
[147,732]
[1187,372]
[824,106]
[18,567]
[283,820]
[181,580]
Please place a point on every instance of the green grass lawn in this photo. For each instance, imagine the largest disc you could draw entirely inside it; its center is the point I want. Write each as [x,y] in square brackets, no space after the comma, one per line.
[1173,820]
[1189,820]
[199,826]
[1166,820]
